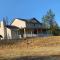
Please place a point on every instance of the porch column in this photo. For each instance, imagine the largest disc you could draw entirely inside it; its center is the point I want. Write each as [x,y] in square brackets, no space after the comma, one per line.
[24,32]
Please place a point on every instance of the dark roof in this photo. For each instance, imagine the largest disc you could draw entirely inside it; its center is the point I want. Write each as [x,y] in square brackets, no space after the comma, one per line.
[32,20]
[28,20]
[11,27]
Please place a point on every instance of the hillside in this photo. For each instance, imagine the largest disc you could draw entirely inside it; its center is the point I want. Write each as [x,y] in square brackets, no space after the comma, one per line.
[40,46]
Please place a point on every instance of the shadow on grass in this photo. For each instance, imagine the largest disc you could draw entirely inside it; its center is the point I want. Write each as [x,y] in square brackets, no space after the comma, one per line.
[36,58]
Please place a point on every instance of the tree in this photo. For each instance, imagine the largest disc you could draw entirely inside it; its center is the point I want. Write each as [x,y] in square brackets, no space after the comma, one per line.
[5,19]
[45,22]
[49,21]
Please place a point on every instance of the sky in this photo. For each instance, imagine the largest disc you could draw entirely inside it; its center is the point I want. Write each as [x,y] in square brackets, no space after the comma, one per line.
[28,9]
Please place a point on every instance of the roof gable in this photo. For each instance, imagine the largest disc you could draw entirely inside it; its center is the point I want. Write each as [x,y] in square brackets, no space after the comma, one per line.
[32,20]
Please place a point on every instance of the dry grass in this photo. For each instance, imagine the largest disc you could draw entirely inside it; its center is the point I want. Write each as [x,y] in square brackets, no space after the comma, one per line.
[31,47]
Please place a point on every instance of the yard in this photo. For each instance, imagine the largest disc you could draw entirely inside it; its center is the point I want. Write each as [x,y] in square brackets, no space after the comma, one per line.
[40,46]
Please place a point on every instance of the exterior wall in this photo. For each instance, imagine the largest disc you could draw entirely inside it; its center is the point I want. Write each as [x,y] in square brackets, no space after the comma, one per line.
[19,23]
[2,30]
[14,33]
[9,36]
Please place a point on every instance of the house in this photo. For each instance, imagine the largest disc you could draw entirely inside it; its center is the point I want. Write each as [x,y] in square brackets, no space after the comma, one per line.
[21,28]
[28,27]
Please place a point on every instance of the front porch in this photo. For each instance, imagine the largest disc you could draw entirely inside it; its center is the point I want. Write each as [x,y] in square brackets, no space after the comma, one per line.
[23,33]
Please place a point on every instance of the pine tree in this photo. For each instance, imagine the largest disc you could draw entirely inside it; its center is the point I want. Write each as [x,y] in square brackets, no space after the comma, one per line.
[49,21]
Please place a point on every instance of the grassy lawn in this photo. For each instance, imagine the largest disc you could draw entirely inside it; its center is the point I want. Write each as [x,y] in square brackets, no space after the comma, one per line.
[31,47]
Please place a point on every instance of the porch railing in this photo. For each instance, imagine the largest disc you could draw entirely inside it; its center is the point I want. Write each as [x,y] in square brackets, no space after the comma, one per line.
[37,35]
